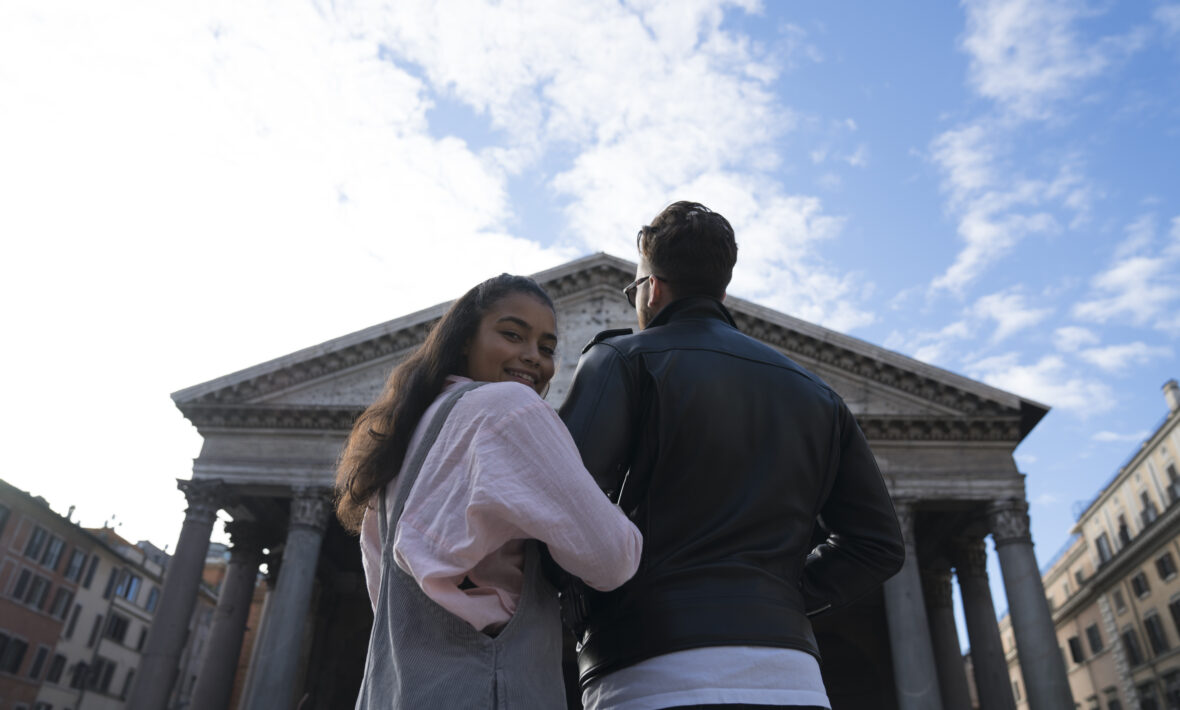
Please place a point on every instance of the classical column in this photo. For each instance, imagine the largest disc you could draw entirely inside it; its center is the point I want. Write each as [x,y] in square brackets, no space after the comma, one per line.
[272,684]
[1045,682]
[944,637]
[987,649]
[158,666]
[215,680]
[914,672]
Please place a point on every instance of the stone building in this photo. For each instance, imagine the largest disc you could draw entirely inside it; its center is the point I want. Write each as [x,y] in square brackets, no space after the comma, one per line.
[75,608]
[272,434]
[1114,589]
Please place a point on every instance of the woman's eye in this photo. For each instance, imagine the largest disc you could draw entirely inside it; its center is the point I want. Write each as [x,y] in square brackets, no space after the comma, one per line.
[548,350]
[510,334]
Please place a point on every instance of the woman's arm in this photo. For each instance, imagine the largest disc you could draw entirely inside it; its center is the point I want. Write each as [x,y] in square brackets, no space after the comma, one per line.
[544,491]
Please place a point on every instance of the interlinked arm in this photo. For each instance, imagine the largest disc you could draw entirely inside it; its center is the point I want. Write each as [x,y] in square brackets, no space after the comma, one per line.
[601,411]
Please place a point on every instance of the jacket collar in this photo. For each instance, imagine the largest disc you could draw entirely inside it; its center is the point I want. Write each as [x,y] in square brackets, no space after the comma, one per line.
[692,307]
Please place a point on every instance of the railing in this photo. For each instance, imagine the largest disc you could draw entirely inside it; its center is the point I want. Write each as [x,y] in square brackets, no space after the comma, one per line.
[1079,511]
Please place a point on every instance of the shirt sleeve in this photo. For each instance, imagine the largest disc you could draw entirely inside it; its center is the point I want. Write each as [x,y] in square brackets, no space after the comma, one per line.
[531,475]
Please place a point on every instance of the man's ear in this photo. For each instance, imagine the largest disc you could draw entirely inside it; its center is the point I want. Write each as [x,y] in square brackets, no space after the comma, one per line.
[723,295]
[656,293]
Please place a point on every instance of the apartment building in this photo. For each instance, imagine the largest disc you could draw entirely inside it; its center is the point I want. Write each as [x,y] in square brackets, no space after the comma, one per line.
[76,605]
[1114,589]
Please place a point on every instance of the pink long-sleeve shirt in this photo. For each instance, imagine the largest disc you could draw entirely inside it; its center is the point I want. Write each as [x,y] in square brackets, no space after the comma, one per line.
[503,470]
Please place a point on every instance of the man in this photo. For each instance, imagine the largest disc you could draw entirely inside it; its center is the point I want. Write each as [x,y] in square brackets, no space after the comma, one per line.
[724,452]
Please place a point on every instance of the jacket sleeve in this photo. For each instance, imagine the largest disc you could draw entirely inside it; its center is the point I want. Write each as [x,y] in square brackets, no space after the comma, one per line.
[864,545]
[600,412]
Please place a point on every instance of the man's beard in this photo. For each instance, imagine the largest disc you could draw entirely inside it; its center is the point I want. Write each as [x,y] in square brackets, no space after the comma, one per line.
[644,313]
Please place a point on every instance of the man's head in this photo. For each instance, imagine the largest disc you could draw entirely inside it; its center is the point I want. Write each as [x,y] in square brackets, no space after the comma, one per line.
[687,250]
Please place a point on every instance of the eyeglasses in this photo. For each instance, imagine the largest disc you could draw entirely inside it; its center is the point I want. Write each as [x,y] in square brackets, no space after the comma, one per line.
[632,287]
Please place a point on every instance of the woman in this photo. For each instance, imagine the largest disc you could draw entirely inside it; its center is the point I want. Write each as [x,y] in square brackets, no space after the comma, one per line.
[463,617]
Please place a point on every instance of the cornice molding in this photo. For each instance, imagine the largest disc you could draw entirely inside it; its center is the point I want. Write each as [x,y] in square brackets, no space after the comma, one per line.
[320,417]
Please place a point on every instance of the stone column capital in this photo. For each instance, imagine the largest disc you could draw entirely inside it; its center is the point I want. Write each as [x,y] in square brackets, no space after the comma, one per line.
[205,498]
[248,539]
[970,555]
[311,507]
[936,588]
[1008,522]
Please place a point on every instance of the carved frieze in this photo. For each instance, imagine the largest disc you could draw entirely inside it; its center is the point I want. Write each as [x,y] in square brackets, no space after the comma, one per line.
[1008,521]
[245,416]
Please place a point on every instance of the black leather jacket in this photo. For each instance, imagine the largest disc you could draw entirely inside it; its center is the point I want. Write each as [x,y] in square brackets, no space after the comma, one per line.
[723,452]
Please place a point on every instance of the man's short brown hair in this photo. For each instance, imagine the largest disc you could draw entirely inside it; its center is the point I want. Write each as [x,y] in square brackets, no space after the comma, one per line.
[691,247]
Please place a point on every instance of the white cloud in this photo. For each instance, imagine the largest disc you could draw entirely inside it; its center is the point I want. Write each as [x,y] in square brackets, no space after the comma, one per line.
[931,346]
[1045,499]
[1117,358]
[1048,380]
[1114,437]
[1009,311]
[995,210]
[1071,337]
[1142,286]
[1169,17]
[1027,54]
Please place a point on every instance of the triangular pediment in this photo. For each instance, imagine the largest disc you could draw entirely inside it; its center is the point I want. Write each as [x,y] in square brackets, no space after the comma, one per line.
[325,385]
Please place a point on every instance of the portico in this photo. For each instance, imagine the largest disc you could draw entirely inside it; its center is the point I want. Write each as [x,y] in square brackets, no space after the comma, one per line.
[272,434]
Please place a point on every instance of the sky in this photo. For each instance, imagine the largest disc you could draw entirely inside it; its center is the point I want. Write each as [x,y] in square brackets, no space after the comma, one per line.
[190,189]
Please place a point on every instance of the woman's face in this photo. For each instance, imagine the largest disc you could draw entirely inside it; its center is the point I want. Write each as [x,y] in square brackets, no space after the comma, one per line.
[514,343]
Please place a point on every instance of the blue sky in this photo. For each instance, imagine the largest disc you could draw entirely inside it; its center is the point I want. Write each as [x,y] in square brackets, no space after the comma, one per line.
[987,186]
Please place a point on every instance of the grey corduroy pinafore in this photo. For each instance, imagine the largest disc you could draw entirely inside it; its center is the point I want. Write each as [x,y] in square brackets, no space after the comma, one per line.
[422,656]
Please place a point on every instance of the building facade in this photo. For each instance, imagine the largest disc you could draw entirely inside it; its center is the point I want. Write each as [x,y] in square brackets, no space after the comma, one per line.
[1114,589]
[272,434]
[75,608]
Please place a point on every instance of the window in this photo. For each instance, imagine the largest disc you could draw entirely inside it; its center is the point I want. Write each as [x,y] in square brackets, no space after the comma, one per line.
[127,684]
[142,639]
[3,518]
[42,706]
[1148,700]
[1172,689]
[22,584]
[61,603]
[100,674]
[1173,484]
[153,599]
[1075,649]
[56,666]
[76,565]
[1156,635]
[1120,604]
[94,631]
[13,654]
[78,677]
[1094,636]
[1131,646]
[1124,531]
[36,542]
[117,626]
[1140,586]
[1165,566]
[90,572]
[69,632]
[110,588]
[53,552]
[1104,551]
[1077,575]
[38,591]
[1149,513]
[38,662]
[128,587]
